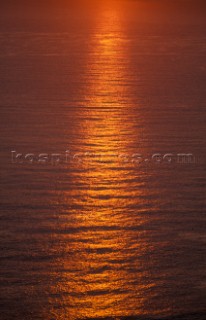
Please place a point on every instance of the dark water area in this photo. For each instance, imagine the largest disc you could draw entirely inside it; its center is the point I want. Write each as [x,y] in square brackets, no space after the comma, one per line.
[182,317]
[103,194]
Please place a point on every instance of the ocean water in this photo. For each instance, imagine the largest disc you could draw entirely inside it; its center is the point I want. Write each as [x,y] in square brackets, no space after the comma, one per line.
[96,222]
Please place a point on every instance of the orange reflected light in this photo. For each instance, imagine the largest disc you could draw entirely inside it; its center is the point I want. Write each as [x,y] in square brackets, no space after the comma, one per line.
[102,285]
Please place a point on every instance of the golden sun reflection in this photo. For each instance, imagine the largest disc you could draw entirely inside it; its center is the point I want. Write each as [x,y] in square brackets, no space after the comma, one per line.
[106,65]
[103,240]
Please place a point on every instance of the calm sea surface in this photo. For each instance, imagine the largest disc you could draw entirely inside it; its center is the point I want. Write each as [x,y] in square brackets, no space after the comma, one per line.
[100,229]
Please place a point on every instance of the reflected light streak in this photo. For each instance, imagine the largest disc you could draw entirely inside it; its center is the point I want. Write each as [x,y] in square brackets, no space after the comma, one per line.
[100,248]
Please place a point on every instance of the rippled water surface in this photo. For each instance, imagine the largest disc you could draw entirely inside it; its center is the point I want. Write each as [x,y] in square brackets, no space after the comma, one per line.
[94,232]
